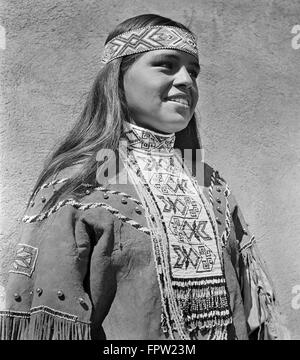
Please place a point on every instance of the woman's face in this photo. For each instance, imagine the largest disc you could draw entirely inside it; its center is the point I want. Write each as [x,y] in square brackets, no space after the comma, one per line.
[161,90]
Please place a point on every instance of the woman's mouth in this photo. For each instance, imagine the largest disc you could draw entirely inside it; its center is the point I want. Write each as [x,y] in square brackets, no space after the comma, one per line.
[182,100]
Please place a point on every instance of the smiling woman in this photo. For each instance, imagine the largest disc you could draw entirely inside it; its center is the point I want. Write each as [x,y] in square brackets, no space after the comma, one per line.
[161,90]
[166,255]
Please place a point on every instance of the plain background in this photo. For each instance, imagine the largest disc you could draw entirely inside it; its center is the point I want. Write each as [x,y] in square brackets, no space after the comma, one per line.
[249,107]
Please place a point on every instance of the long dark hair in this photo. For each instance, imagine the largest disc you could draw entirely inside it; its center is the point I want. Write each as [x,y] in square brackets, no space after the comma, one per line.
[100,124]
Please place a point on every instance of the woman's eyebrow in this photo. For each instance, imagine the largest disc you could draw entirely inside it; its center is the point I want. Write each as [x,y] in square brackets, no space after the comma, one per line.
[177,58]
[166,56]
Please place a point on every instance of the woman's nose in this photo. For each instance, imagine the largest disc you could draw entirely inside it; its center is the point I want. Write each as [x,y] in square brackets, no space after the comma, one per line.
[183,77]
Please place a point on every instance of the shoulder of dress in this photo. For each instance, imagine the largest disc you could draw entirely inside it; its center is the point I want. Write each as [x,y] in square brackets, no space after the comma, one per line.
[118,200]
[122,201]
[47,190]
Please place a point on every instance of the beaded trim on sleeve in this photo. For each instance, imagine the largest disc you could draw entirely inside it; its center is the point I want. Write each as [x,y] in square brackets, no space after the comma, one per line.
[120,193]
[213,182]
[250,243]
[85,206]
[226,232]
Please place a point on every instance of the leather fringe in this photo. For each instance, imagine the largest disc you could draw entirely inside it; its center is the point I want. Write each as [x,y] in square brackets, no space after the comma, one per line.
[41,326]
[271,323]
[13,328]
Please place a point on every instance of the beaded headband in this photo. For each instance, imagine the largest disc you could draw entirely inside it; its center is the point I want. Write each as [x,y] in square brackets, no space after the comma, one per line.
[150,38]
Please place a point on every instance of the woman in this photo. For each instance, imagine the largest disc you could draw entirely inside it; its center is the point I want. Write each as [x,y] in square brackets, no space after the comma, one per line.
[122,239]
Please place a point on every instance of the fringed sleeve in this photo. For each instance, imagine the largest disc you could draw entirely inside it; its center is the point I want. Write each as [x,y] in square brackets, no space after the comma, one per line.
[264,321]
[57,273]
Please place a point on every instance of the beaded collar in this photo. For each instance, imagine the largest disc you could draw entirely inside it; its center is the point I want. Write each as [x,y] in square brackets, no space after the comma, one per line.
[139,138]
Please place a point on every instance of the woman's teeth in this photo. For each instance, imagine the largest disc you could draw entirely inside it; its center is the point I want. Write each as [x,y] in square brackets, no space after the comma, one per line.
[180,101]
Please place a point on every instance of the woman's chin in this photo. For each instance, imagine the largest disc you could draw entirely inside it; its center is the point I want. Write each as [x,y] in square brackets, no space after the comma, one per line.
[176,125]
[166,126]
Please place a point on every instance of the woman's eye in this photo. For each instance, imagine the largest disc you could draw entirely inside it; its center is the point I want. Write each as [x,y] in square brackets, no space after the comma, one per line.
[166,64]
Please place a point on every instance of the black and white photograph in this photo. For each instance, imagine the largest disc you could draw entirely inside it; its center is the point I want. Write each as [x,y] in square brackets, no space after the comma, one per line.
[149,172]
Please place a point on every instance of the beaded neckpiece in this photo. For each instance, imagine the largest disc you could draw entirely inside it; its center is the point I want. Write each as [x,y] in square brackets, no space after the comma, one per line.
[186,245]
[139,138]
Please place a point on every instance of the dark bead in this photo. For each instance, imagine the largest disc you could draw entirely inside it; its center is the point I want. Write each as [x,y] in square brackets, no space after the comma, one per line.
[32,203]
[218,189]
[138,210]
[152,218]
[105,196]
[87,192]
[39,291]
[43,199]
[60,295]
[245,231]
[218,221]
[17,297]
[83,303]
[218,200]
[124,201]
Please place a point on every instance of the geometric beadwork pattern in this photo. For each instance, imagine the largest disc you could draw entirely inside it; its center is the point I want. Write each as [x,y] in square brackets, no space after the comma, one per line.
[25,259]
[193,242]
[147,39]
[141,139]
[186,247]
[201,258]
[189,230]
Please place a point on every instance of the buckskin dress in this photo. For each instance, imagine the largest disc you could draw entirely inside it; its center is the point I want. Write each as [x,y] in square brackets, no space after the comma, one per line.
[165,254]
